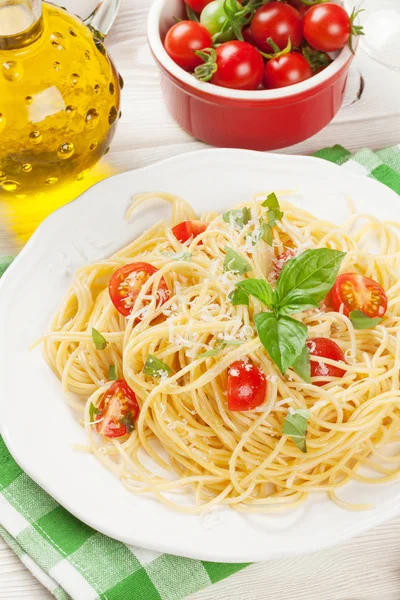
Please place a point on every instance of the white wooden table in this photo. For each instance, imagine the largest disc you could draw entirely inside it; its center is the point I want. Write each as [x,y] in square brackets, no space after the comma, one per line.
[368,567]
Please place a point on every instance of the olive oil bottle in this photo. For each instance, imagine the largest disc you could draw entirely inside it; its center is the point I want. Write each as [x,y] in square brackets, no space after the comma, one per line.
[59,95]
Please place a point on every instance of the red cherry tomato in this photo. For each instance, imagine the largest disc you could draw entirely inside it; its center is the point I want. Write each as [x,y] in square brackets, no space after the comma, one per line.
[246,33]
[187,229]
[125,285]
[277,21]
[247,386]
[183,39]
[298,5]
[356,292]
[327,27]
[117,410]
[197,5]
[325,348]
[285,70]
[280,261]
[240,66]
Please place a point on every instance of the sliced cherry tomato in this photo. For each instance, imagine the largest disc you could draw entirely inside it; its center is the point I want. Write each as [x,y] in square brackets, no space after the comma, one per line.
[280,261]
[125,285]
[182,41]
[285,70]
[279,22]
[197,5]
[356,292]
[327,27]
[247,386]
[187,229]
[117,410]
[240,66]
[325,348]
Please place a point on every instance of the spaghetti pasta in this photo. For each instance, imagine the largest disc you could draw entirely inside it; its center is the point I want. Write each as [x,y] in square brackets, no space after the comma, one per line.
[185,435]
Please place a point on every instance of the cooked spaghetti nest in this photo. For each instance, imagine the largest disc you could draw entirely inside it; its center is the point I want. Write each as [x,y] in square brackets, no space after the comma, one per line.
[185,435]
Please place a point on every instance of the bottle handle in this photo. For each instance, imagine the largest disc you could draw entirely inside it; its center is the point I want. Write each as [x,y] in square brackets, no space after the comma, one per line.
[103,16]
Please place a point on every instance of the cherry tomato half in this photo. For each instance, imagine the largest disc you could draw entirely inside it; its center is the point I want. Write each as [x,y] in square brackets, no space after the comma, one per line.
[247,386]
[327,27]
[277,21]
[125,285]
[183,39]
[197,5]
[117,410]
[285,70]
[325,348]
[357,292]
[187,229]
[240,66]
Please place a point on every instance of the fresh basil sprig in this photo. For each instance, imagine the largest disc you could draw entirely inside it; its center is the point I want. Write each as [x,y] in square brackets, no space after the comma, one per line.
[239,217]
[274,214]
[258,288]
[93,410]
[312,272]
[98,339]
[302,365]
[239,297]
[302,284]
[362,321]
[283,337]
[235,262]
[154,367]
[112,373]
[295,426]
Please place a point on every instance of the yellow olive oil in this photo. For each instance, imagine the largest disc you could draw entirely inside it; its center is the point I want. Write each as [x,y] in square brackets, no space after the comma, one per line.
[59,100]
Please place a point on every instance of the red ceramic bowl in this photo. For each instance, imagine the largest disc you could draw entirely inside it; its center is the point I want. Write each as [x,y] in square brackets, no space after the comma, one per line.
[257,120]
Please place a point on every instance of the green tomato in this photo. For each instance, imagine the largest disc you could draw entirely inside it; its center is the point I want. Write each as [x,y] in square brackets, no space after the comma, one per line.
[213,17]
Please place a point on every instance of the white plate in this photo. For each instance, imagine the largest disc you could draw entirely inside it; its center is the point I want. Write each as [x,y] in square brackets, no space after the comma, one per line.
[38,426]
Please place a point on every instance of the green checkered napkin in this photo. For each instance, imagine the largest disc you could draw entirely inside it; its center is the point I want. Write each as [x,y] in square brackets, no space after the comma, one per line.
[74,561]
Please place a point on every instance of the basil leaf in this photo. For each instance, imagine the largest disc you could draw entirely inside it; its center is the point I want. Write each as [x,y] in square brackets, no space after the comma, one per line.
[258,288]
[302,365]
[186,256]
[239,217]
[283,337]
[234,262]
[238,297]
[112,373]
[362,321]
[295,426]
[99,340]
[93,410]
[273,216]
[313,272]
[127,420]
[295,302]
[267,234]
[271,202]
[274,213]
[220,345]
[154,367]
